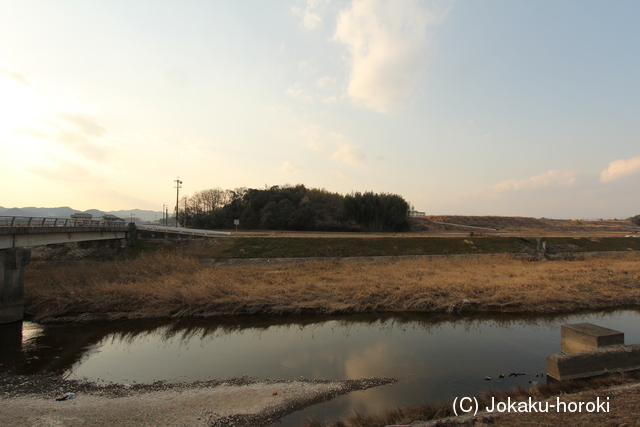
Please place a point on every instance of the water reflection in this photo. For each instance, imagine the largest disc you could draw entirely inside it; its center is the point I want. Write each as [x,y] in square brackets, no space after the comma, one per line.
[434,356]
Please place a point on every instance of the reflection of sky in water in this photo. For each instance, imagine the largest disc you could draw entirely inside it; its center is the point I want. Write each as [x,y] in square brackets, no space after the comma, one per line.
[432,360]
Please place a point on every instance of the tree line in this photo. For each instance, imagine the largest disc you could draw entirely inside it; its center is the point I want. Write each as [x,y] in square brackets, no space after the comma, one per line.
[294,208]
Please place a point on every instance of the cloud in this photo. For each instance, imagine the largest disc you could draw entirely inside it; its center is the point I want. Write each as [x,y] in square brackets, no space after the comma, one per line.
[78,132]
[620,168]
[349,154]
[551,178]
[314,139]
[323,81]
[339,174]
[289,167]
[306,67]
[65,170]
[297,92]
[85,124]
[389,49]
[15,76]
[311,13]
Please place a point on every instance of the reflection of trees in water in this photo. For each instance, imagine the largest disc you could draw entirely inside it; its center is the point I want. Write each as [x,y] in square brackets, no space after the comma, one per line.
[59,347]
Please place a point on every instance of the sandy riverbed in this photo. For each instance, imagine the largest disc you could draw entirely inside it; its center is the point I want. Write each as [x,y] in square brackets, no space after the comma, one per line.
[30,401]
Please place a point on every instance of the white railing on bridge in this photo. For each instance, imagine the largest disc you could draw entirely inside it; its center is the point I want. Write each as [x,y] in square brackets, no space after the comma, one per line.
[181,230]
[24,221]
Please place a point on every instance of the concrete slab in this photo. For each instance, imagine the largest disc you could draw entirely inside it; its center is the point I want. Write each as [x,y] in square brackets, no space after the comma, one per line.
[584,364]
[586,337]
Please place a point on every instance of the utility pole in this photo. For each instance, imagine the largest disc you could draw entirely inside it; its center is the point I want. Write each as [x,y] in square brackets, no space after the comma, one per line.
[185,211]
[178,183]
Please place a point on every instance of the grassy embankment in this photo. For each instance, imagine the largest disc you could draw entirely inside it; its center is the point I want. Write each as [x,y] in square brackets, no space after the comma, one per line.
[275,247]
[175,284]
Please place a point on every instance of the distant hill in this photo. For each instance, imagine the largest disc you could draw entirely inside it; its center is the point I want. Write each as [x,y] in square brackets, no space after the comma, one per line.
[66,212]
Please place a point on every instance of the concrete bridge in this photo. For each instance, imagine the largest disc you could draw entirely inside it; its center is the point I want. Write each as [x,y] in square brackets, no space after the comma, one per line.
[18,234]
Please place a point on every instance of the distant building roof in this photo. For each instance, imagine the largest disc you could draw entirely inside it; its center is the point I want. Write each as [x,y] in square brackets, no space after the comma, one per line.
[109,217]
[82,215]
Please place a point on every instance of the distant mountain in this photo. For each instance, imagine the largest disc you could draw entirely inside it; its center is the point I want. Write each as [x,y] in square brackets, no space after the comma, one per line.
[61,212]
[12,212]
[66,212]
[137,213]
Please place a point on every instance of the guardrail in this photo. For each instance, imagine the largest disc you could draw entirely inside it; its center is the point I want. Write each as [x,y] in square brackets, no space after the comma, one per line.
[180,230]
[24,221]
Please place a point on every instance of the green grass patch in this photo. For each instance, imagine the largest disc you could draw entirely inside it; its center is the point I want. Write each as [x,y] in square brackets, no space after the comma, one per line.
[351,247]
[592,244]
[294,247]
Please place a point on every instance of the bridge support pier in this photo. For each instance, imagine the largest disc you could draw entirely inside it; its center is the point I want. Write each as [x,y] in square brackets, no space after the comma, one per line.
[12,264]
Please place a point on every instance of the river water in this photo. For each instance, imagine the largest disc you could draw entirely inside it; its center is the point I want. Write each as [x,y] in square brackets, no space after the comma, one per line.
[434,357]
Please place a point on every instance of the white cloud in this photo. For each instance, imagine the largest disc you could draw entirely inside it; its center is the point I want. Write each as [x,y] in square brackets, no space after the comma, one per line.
[15,76]
[620,168]
[79,132]
[323,81]
[314,139]
[349,154]
[85,124]
[339,174]
[311,14]
[306,67]
[289,167]
[551,178]
[297,92]
[389,48]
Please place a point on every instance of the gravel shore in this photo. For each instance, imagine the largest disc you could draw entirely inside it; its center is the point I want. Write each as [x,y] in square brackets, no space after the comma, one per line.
[31,401]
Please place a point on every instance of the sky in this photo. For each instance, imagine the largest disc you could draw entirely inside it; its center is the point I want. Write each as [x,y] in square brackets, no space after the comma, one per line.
[463,107]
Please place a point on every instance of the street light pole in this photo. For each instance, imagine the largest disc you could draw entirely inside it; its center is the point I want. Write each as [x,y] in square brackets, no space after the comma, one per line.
[178,183]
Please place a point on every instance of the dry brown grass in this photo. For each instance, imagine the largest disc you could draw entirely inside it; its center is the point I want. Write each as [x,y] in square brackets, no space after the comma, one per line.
[169,285]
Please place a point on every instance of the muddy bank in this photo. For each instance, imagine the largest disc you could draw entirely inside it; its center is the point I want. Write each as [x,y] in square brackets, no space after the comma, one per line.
[31,400]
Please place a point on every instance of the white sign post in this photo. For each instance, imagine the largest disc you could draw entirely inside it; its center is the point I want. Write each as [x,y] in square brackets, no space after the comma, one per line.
[236,222]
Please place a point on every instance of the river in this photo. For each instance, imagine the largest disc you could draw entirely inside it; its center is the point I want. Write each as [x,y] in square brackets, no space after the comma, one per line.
[433,356]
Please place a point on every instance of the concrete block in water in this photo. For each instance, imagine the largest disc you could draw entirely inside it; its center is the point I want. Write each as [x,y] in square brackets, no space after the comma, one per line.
[586,337]
[613,358]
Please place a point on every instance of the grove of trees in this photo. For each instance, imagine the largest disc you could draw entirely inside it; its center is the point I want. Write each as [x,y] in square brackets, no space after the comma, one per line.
[294,208]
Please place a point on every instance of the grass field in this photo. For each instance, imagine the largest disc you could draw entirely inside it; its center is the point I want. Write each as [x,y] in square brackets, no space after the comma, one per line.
[173,285]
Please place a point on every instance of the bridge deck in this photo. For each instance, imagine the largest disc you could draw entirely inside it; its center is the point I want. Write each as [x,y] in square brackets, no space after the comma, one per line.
[22,237]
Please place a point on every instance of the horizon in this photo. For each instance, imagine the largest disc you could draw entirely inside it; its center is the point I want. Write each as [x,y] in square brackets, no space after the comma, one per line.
[426,215]
[462,107]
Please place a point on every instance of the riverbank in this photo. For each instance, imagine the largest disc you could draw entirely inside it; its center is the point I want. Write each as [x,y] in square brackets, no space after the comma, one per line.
[31,400]
[174,285]
[241,402]
[617,394]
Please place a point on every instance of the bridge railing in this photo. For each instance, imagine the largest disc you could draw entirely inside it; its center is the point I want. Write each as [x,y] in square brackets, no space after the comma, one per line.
[24,221]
